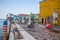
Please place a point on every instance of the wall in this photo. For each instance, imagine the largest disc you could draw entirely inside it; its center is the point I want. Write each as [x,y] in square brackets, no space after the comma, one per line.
[47,9]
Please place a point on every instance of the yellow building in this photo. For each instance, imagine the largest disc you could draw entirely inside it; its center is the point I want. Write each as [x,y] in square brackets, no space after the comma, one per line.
[47,8]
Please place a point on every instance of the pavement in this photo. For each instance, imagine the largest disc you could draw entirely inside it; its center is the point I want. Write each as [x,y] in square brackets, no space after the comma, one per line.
[42,33]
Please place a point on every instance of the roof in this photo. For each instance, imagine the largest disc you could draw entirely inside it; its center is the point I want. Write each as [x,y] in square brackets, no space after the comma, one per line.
[23,14]
[26,15]
[43,1]
[37,14]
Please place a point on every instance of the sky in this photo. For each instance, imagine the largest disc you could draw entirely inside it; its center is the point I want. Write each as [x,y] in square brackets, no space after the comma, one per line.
[18,7]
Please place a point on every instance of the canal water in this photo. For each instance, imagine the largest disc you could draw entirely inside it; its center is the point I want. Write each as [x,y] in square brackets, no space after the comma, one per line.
[1,26]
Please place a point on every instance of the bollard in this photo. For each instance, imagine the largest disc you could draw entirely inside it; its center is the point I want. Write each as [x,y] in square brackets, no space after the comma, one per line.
[4,33]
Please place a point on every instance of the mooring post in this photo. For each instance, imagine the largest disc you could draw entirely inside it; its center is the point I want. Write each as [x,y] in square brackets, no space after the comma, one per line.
[4,33]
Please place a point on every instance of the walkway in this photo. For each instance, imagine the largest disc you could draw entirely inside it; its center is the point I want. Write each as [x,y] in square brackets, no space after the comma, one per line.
[25,34]
[42,33]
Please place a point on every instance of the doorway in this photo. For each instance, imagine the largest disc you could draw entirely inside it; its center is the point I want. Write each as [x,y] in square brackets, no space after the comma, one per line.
[42,20]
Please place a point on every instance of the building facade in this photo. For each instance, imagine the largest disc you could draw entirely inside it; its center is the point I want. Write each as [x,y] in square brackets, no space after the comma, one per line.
[47,8]
[25,18]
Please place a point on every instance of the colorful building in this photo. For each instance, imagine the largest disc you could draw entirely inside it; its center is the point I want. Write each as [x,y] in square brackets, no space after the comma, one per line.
[24,18]
[47,8]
